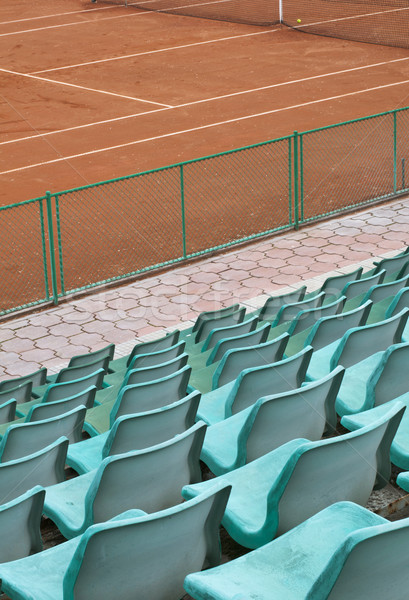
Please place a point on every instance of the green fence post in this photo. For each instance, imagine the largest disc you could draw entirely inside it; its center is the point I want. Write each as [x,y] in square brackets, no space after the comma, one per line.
[301,154]
[395,174]
[296,216]
[182,199]
[52,249]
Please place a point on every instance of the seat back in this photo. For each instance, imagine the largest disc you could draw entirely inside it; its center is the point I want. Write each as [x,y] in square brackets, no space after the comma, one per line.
[333,286]
[400,301]
[150,395]
[302,413]
[257,382]
[307,318]
[253,338]
[142,361]
[20,522]
[91,357]
[236,360]
[227,319]
[44,468]
[380,292]
[47,410]
[145,374]
[23,439]
[340,468]
[388,380]
[211,315]
[328,329]
[393,265]
[148,557]
[273,304]
[8,411]
[361,342]
[150,479]
[134,432]
[79,371]
[221,333]
[37,378]
[371,563]
[61,391]
[290,311]
[20,393]
[170,339]
[357,288]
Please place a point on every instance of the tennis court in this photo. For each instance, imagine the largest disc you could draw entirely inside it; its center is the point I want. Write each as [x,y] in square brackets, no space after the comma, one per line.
[94,91]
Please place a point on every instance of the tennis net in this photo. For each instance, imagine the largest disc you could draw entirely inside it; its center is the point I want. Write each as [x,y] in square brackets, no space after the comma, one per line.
[383,22]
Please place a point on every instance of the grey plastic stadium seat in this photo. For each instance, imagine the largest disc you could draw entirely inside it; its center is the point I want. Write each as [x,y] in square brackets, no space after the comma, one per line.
[148,555]
[237,359]
[281,489]
[150,480]
[274,420]
[138,398]
[360,555]
[27,438]
[45,467]
[251,385]
[134,432]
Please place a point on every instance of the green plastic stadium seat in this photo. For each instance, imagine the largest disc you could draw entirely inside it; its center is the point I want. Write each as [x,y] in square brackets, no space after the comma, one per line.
[274,420]
[283,488]
[27,438]
[334,285]
[400,301]
[253,338]
[20,522]
[348,553]
[8,411]
[237,359]
[138,398]
[289,311]
[21,393]
[252,384]
[37,378]
[121,364]
[73,373]
[128,557]
[273,304]
[45,467]
[358,344]
[150,480]
[134,432]
[223,319]
[355,290]
[143,361]
[61,391]
[394,267]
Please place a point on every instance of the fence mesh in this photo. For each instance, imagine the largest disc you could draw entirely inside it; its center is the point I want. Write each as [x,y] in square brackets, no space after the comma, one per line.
[23,270]
[374,21]
[346,166]
[120,227]
[237,195]
[402,150]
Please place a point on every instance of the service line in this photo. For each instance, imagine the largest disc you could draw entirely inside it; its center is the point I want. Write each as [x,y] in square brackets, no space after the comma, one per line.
[200,128]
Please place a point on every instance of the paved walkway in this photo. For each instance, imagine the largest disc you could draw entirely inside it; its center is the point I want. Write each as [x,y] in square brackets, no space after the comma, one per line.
[145,308]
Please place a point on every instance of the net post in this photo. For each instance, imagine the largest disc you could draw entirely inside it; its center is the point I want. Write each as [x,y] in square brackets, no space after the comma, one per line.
[280,10]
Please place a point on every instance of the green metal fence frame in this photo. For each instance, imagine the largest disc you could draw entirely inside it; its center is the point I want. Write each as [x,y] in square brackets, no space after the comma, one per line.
[52,241]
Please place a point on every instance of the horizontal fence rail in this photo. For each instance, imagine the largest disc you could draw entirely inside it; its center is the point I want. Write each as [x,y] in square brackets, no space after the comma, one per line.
[97,234]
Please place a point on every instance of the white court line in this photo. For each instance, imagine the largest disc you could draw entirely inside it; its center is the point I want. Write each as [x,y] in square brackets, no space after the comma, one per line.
[81,87]
[103,60]
[381,12]
[200,128]
[65,14]
[125,16]
[215,98]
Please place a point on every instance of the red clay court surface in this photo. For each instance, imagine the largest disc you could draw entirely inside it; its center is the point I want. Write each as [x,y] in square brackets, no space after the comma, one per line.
[91,92]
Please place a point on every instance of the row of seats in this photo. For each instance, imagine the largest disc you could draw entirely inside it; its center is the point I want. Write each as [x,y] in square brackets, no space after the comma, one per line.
[271,394]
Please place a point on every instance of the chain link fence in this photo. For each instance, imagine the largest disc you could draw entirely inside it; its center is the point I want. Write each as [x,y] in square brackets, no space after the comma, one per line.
[97,234]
